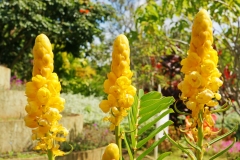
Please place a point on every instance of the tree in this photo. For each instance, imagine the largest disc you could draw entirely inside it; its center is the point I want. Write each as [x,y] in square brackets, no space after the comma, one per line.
[164,29]
[70,25]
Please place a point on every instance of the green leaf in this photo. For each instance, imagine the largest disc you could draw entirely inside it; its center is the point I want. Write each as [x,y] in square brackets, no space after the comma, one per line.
[151,95]
[222,136]
[153,133]
[140,93]
[223,151]
[128,148]
[180,146]
[153,104]
[132,128]
[150,124]
[161,107]
[163,155]
[178,111]
[134,108]
[191,144]
[146,152]
[222,109]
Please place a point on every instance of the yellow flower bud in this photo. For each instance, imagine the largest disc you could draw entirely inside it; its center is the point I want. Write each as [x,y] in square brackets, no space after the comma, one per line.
[194,79]
[31,90]
[43,95]
[30,121]
[205,96]
[217,96]
[111,152]
[104,105]
[33,108]
[191,105]
[39,81]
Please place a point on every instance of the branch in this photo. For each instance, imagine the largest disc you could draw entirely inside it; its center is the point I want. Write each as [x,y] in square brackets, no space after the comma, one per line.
[237,31]
[21,52]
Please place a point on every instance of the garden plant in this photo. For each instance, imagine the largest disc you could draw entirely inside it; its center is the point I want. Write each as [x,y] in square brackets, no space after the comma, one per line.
[199,92]
[44,101]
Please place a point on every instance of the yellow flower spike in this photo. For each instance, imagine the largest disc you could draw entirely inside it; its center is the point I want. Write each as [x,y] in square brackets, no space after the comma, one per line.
[202,78]
[118,83]
[111,152]
[44,101]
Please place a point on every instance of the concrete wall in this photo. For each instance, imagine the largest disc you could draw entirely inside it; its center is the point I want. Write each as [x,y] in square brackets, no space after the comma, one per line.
[95,154]
[5,74]
[12,104]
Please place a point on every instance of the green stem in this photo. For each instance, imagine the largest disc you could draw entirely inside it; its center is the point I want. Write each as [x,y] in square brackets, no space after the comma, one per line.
[136,131]
[118,140]
[200,152]
[50,155]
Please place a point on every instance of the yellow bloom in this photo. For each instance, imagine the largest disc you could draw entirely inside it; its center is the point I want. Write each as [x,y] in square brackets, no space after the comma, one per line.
[194,79]
[202,78]
[205,96]
[43,95]
[111,152]
[30,121]
[44,101]
[33,108]
[105,106]
[31,90]
[191,105]
[118,85]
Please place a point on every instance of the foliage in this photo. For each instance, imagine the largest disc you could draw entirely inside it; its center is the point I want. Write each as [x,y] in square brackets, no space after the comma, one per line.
[78,76]
[163,28]
[71,27]
[228,119]
[153,44]
[123,21]
[151,105]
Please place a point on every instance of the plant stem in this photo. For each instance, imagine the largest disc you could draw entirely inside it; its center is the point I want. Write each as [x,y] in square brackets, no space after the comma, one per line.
[136,132]
[118,140]
[50,155]
[200,137]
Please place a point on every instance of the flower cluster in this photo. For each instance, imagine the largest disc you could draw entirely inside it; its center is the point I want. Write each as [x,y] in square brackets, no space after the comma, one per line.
[44,101]
[202,78]
[118,85]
